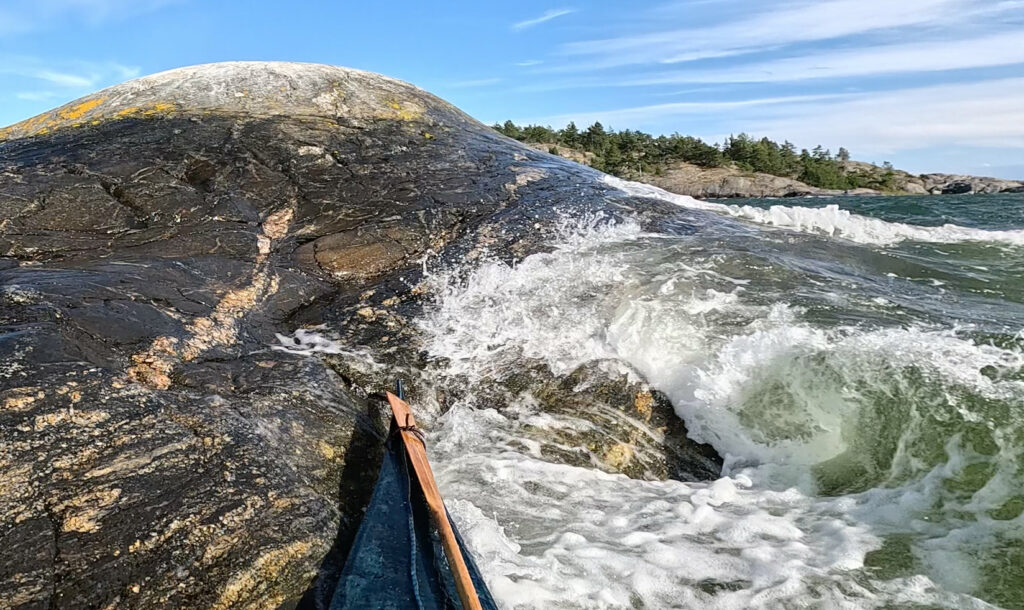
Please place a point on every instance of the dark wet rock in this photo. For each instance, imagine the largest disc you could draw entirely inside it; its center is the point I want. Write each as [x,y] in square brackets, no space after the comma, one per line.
[154,237]
[622,424]
[957,188]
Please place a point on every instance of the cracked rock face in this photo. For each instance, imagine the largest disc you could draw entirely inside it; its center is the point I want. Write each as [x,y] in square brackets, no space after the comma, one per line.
[154,451]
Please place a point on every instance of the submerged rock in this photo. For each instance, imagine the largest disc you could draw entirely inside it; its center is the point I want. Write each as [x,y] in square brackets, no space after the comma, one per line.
[610,419]
[154,237]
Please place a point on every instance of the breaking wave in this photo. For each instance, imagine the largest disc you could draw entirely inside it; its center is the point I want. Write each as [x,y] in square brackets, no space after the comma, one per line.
[867,465]
[829,220]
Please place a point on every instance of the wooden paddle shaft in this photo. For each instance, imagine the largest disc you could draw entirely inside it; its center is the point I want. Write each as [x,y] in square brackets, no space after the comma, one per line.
[417,452]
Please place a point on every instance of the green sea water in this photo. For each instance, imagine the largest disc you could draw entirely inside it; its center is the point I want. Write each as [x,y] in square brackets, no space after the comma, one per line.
[858,361]
[946,420]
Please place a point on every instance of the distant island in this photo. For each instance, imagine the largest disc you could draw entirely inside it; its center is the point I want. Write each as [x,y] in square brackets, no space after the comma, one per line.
[742,166]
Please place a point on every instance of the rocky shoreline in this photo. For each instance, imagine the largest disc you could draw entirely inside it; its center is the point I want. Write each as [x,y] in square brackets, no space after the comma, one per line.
[731,182]
[158,236]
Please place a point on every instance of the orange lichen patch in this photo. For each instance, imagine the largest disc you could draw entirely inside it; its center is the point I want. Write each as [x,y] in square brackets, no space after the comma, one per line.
[73,113]
[155,109]
[644,402]
[19,399]
[81,418]
[83,513]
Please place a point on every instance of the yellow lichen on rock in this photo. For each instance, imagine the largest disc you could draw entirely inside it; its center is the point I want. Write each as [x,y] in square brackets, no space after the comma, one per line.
[149,110]
[87,112]
[67,116]
[326,449]
[644,403]
[81,418]
[83,513]
[243,588]
[619,456]
[405,111]
[73,113]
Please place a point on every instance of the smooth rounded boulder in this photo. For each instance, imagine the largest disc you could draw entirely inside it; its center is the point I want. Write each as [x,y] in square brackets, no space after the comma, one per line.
[155,238]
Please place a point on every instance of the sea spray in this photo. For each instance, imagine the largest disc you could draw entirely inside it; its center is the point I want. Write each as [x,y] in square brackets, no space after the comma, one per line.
[874,451]
[829,220]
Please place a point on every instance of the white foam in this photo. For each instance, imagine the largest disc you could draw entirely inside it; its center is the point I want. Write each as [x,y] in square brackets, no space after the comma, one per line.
[828,220]
[579,538]
[777,395]
[308,341]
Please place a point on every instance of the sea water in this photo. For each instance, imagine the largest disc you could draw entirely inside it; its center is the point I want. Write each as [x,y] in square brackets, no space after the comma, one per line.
[858,362]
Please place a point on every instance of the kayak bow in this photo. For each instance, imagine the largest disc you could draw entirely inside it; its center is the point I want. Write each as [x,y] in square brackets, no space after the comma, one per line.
[408,553]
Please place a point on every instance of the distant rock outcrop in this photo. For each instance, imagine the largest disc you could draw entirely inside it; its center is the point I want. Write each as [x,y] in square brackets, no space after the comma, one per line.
[155,452]
[732,182]
[954,184]
[711,182]
[936,184]
[729,182]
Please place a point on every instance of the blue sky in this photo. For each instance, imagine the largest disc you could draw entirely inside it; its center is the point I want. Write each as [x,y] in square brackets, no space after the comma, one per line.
[931,85]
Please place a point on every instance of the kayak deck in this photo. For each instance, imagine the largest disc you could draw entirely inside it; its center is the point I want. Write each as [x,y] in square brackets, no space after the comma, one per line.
[407,552]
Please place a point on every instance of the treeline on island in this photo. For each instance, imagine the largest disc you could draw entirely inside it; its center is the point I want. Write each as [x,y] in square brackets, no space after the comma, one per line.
[628,153]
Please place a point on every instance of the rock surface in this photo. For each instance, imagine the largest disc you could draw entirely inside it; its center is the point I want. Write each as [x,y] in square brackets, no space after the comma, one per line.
[728,182]
[939,184]
[154,238]
[731,182]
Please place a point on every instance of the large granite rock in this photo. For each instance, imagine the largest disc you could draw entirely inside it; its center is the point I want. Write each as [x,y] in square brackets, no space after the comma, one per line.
[731,182]
[154,237]
[956,184]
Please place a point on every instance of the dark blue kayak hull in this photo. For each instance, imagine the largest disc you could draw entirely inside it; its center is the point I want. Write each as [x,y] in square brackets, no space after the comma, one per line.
[396,560]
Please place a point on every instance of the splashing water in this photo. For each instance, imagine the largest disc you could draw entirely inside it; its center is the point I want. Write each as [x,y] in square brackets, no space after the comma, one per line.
[867,399]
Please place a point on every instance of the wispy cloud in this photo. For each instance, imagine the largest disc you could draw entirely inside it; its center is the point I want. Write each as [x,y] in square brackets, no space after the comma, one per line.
[983,114]
[72,75]
[547,16]
[1000,49]
[529,62]
[774,24]
[469,84]
[639,116]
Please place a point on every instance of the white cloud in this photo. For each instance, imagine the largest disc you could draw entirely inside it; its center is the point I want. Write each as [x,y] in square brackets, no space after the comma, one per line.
[61,78]
[641,116]
[547,16]
[981,114]
[999,49]
[985,114]
[529,62]
[775,24]
[73,75]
